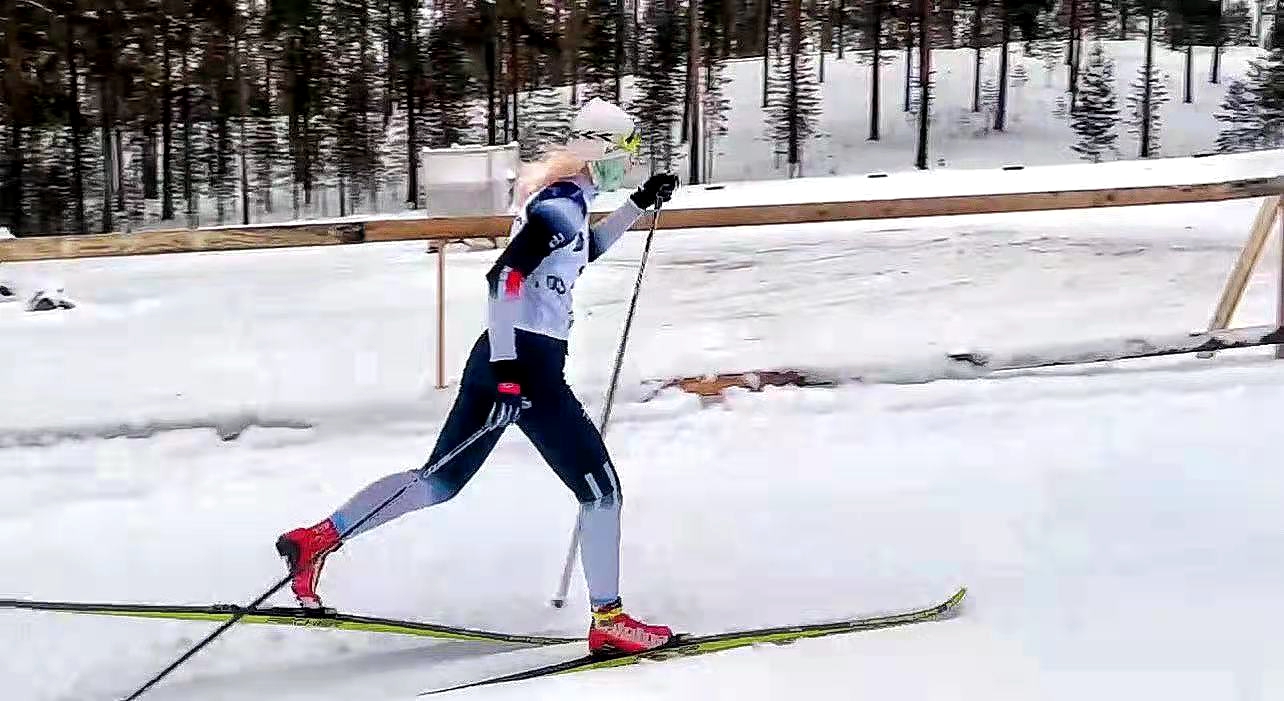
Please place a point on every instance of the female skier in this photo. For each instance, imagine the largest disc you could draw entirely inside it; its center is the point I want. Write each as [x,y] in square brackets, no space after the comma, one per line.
[515,373]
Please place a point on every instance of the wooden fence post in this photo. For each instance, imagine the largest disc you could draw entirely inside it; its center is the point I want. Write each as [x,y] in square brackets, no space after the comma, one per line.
[441,315]
[1279,314]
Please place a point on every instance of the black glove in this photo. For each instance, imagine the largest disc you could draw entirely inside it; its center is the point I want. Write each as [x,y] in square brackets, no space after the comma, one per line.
[509,404]
[657,188]
[509,401]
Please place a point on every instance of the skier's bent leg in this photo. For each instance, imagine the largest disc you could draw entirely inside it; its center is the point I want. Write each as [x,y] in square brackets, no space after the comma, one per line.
[305,549]
[419,493]
[467,416]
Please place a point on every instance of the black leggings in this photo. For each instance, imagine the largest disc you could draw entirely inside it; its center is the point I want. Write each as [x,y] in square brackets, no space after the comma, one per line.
[555,423]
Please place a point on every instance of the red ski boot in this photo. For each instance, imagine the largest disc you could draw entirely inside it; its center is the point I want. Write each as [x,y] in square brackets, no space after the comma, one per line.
[613,630]
[305,550]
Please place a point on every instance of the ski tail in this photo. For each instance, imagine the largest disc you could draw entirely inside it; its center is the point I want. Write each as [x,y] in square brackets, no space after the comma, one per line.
[691,646]
[284,616]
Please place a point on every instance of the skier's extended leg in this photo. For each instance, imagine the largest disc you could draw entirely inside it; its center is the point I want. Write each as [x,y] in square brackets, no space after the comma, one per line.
[563,433]
[305,549]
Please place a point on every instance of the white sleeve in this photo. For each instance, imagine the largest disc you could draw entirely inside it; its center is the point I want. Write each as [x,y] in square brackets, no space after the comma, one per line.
[610,229]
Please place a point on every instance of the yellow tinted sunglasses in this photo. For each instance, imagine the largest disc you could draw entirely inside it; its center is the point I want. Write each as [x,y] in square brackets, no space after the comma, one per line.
[630,144]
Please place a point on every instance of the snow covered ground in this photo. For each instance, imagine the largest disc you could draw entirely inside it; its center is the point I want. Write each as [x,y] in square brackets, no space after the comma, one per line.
[1118,526]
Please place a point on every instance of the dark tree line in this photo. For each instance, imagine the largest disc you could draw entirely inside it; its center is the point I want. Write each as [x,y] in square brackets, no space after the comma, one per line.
[116,114]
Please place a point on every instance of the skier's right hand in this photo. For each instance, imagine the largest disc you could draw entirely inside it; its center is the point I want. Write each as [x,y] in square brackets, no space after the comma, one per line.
[509,404]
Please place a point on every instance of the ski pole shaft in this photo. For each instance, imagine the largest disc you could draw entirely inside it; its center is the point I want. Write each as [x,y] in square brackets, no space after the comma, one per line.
[628,323]
[559,599]
[421,474]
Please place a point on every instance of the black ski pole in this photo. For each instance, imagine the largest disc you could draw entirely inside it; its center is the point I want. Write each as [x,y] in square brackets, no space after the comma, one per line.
[419,474]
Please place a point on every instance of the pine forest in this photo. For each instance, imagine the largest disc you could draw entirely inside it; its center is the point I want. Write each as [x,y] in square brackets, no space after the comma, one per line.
[121,114]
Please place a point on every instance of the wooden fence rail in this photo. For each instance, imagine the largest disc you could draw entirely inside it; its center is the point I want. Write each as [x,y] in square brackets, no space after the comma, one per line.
[955,195]
[321,234]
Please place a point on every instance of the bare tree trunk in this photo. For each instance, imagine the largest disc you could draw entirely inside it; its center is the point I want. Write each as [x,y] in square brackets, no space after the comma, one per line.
[795,47]
[390,65]
[621,24]
[245,176]
[11,211]
[368,149]
[840,18]
[924,82]
[221,137]
[909,62]
[166,121]
[709,128]
[1215,78]
[412,131]
[104,135]
[151,186]
[185,110]
[243,99]
[119,166]
[17,165]
[1001,112]
[77,138]
[976,45]
[693,90]
[1072,54]
[766,51]
[503,98]
[1188,95]
[492,71]
[826,37]
[305,121]
[876,69]
[1145,91]
[1073,35]
[574,19]
[515,70]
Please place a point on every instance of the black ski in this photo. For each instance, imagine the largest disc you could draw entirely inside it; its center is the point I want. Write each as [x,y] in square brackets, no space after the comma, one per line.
[285,616]
[690,646]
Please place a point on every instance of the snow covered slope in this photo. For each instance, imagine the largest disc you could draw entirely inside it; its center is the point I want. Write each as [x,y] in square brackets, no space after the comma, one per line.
[1117,525]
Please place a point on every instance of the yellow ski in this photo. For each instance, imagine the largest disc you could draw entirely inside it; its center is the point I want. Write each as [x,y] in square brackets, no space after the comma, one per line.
[285,616]
[690,646]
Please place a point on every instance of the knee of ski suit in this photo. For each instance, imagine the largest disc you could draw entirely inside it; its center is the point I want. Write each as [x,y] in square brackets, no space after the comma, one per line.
[603,486]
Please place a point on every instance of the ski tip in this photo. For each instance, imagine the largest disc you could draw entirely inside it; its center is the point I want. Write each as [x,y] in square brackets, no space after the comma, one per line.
[953,606]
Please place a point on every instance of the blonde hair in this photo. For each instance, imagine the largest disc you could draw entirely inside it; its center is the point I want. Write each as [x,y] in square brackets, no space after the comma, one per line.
[557,164]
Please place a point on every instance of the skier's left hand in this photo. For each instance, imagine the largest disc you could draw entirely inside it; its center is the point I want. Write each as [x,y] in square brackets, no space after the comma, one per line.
[657,188]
